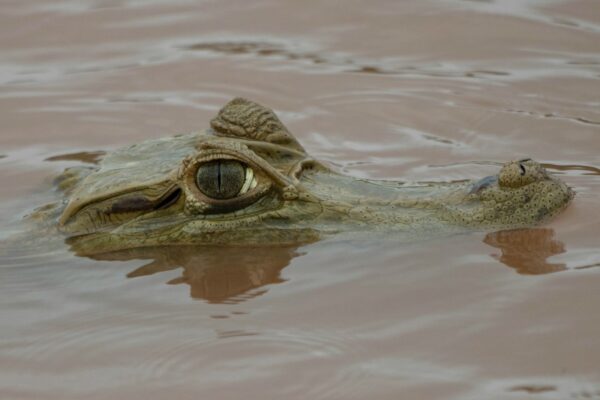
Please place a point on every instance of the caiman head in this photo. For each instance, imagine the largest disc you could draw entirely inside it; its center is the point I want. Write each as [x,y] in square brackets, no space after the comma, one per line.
[247,181]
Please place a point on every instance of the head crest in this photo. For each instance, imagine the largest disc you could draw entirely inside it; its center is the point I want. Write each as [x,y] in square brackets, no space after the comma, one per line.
[246,119]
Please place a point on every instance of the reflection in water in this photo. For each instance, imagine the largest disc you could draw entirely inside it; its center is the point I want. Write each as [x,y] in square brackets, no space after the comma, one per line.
[567,117]
[339,62]
[262,49]
[588,169]
[216,274]
[88,157]
[534,389]
[526,250]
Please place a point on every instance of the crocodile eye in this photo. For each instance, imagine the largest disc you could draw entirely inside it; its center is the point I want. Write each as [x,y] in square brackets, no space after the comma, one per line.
[224,179]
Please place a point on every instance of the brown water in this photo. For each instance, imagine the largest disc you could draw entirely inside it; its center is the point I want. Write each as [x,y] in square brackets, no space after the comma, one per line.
[429,90]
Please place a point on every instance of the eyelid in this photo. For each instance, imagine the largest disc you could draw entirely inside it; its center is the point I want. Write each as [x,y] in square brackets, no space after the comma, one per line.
[249,181]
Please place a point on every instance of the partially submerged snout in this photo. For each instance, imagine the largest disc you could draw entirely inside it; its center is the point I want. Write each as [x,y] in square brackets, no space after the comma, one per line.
[522,193]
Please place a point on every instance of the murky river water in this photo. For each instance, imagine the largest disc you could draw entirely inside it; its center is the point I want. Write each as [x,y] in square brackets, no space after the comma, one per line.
[426,90]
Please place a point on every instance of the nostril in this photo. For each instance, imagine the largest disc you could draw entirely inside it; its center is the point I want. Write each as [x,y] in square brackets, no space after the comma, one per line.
[522,167]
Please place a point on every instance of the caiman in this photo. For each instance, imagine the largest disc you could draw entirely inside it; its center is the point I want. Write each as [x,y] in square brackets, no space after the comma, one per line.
[247,181]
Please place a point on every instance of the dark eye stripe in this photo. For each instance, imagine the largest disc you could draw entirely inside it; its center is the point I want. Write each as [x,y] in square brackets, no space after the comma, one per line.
[137,202]
[131,204]
[168,200]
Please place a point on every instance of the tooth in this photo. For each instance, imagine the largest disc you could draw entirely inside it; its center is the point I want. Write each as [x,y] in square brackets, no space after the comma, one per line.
[254,183]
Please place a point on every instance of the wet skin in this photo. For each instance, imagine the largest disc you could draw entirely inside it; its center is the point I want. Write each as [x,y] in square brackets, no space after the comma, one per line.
[247,181]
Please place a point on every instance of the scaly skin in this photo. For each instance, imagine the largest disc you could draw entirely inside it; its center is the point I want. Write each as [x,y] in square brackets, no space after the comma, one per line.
[147,194]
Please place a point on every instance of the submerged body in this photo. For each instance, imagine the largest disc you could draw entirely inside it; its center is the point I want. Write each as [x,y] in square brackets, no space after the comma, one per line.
[247,181]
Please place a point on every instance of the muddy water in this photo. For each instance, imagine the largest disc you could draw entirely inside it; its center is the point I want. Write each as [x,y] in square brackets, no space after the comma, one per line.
[431,90]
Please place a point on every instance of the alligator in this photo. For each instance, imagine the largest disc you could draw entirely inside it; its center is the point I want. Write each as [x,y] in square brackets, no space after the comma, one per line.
[247,181]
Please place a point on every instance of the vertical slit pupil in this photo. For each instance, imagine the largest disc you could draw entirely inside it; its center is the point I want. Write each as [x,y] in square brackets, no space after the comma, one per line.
[221,179]
[219,185]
